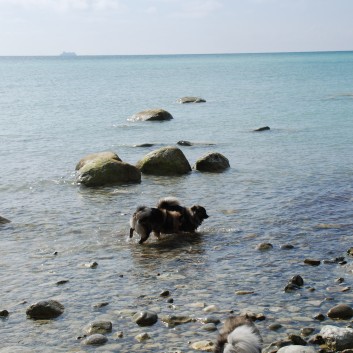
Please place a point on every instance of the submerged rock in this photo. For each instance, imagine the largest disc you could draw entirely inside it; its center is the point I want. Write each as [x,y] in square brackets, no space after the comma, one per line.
[341,311]
[98,327]
[184,143]
[184,100]
[264,128]
[164,161]
[212,162]
[45,310]
[4,220]
[151,115]
[174,320]
[95,340]
[145,318]
[106,168]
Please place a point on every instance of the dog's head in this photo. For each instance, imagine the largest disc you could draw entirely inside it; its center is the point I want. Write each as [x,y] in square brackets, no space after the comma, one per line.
[199,212]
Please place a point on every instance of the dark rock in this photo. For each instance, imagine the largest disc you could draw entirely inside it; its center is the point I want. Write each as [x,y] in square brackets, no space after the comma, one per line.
[297,280]
[100,305]
[164,161]
[144,145]
[212,162]
[297,340]
[341,312]
[184,100]
[316,339]
[275,327]
[170,300]
[95,340]
[4,220]
[145,318]
[4,313]
[152,115]
[45,310]
[312,262]
[106,168]
[264,128]
[64,281]
[101,327]
[287,247]
[184,143]
[307,331]
[350,251]
[264,246]
[174,320]
[165,293]
[320,317]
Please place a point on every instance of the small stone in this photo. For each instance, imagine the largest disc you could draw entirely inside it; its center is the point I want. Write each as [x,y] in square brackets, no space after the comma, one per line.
[297,280]
[184,143]
[209,319]
[93,264]
[188,99]
[4,313]
[170,300]
[275,327]
[341,311]
[263,128]
[350,251]
[346,289]
[142,337]
[145,318]
[203,346]
[307,331]
[264,246]
[287,247]
[209,327]
[340,280]
[320,317]
[211,308]
[64,281]
[296,349]
[244,292]
[95,340]
[165,293]
[312,262]
[174,320]
[100,305]
[45,310]
[297,340]
[101,327]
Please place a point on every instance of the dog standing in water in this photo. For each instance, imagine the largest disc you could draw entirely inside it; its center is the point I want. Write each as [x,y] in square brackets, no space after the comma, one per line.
[191,217]
[239,335]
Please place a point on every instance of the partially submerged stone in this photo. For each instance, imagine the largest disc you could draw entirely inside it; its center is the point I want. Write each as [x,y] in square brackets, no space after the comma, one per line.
[337,338]
[151,115]
[145,318]
[263,128]
[99,326]
[106,168]
[4,220]
[189,99]
[340,312]
[45,310]
[212,162]
[95,340]
[164,161]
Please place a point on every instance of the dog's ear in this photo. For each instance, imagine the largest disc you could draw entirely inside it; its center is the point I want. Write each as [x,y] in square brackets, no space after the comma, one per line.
[194,208]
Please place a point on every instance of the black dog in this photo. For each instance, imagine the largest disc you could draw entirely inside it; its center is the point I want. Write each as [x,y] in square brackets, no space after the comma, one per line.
[239,335]
[146,220]
[191,218]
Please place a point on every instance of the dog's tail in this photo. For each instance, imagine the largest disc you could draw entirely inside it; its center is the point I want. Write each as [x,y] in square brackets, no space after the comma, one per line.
[168,202]
[243,339]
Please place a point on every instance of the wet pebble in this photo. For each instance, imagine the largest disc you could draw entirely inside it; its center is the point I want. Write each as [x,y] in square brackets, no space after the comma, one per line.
[203,346]
[100,305]
[142,337]
[165,293]
[264,246]
[95,340]
[45,310]
[4,313]
[341,311]
[312,262]
[297,340]
[98,327]
[307,331]
[287,247]
[211,308]
[275,327]
[209,319]
[174,320]
[244,292]
[320,317]
[145,318]
[209,327]
[64,281]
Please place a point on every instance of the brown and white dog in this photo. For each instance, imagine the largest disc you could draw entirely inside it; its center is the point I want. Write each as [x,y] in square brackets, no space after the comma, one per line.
[191,217]
[239,335]
[146,220]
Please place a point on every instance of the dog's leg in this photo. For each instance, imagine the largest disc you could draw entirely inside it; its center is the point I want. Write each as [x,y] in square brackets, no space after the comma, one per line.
[157,234]
[131,232]
[144,237]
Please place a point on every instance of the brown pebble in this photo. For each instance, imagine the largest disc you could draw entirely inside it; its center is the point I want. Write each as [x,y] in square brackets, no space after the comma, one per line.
[312,262]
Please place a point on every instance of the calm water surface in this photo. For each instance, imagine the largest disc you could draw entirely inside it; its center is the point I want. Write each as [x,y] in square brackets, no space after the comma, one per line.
[290,185]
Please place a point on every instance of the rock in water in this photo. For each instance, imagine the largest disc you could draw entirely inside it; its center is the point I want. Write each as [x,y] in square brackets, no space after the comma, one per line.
[341,311]
[45,310]
[184,100]
[337,338]
[164,161]
[145,318]
[151,115]
[106,168]
[212,162]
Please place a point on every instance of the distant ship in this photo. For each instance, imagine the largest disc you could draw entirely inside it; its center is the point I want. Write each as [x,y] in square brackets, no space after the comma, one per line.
[68,54]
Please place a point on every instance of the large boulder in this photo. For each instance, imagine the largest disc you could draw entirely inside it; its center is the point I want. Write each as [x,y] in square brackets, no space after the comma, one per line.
[340,312]
[164,161]
[184,100]
[45,310]
[151,115]
[337,338]
[106,168]
[4,220]
[212,162]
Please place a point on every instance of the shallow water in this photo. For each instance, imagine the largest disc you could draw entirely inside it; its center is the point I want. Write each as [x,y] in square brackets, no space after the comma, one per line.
[289,185]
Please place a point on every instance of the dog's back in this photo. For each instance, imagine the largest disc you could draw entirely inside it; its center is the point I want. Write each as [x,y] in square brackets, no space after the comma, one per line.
[239,335]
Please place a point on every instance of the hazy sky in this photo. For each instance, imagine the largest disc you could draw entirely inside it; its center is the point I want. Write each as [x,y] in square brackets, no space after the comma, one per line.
[89,27]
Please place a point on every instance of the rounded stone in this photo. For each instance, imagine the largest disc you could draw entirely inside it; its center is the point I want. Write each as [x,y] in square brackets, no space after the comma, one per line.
[151,115]
[340,312]
[205,345]
[264,246]
[312,262]
[4,313]
[4,220]
[45,310]
[145,318]
[190,99]
[296,349]
[213,162]
[164,161]
[101,170]
[95,340]
[101,327]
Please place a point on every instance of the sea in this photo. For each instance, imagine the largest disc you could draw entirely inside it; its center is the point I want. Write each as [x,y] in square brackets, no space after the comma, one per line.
[290,187]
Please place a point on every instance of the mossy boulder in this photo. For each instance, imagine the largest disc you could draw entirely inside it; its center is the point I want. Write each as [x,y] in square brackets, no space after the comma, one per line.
[212,162]
[188,99]
[106,168]
[152,115]
[164,161]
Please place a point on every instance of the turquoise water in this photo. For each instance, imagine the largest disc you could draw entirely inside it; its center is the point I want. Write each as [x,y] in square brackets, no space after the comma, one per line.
[290,185]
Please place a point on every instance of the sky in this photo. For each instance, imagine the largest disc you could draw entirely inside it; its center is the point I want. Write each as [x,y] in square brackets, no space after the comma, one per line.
[130,27]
